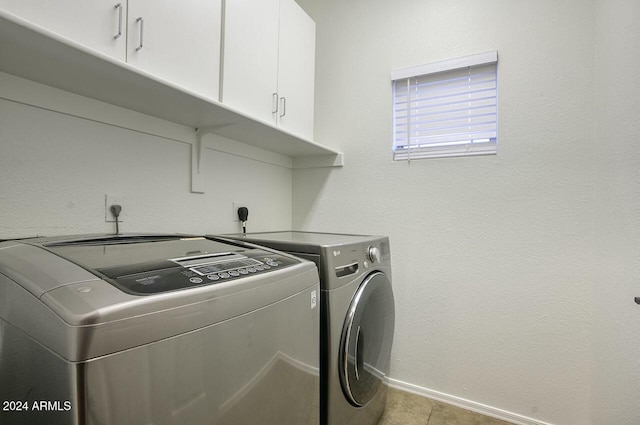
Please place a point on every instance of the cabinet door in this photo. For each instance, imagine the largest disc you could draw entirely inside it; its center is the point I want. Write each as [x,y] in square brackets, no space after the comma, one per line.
[296,69]
[177,41]
[250,71]
[94,24]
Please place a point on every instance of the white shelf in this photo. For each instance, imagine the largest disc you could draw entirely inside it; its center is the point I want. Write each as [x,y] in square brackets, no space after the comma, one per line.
[33,53]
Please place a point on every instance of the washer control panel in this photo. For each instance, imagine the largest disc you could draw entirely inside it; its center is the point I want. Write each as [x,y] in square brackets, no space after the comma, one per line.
[182,273]
[230,268]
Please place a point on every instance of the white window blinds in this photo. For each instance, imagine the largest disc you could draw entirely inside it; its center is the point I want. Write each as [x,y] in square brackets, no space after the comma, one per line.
[447,108]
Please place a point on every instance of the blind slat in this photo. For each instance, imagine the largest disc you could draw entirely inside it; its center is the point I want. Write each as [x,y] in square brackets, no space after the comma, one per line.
[437,107]
[427,117]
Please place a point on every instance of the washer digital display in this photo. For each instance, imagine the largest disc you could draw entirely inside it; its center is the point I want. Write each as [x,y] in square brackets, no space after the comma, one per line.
[224,266]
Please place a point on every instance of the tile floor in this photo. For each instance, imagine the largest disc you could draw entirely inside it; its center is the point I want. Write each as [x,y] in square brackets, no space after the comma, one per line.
[409,409]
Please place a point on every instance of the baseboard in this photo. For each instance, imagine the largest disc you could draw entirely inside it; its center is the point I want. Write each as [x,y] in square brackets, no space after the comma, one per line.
[483,409]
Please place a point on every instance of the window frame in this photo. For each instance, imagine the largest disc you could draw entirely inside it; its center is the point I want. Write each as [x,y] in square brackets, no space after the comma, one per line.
[448,148]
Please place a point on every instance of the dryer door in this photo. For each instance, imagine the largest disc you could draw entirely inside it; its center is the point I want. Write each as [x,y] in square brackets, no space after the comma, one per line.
[366,341]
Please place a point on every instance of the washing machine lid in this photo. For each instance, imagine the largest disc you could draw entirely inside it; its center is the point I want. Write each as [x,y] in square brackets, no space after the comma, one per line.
[104,252]
[152,264]
[89,296]
[136,264]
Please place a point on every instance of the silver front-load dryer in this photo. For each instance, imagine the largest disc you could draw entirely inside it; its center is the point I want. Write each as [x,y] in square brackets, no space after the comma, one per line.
[162,330]
[357,319]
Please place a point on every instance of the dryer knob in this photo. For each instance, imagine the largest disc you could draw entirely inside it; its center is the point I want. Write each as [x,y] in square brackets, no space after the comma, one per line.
[374,254]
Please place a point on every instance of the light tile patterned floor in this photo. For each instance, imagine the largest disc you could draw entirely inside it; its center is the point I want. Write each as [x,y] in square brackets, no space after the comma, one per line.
[409,409]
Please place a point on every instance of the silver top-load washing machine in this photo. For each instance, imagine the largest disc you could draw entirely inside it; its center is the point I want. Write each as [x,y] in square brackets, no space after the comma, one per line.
[156,329]
[357,319]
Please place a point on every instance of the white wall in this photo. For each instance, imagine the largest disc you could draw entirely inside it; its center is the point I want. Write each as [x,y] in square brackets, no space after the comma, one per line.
[492,256]
[55,170]
[617,319]
[514,274]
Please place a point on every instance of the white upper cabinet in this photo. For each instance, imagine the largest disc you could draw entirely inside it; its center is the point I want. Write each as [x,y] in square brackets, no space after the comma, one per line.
[163,59]
[269,63]
[250,74]
[296,69]
[98,24]
[178,41]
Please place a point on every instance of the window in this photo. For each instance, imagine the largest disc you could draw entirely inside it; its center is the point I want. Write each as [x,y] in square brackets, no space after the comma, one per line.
[446,108]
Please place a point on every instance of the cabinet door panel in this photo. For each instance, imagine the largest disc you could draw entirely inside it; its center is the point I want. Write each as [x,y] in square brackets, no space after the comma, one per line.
[296,70]
[177,41]
[250,73]
[91,23]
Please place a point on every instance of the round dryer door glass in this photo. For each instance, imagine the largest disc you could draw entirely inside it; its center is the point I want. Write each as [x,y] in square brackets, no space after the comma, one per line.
[366,341]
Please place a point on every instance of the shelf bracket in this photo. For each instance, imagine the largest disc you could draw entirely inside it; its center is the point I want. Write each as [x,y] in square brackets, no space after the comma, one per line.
[223,144]
[197,165]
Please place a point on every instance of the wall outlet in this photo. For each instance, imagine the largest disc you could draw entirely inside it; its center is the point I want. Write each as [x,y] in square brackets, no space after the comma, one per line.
[237,205]
[113,199]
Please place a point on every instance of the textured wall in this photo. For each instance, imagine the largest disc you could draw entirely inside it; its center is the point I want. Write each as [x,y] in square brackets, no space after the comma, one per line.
[55,170]
[492,256]
[617,318]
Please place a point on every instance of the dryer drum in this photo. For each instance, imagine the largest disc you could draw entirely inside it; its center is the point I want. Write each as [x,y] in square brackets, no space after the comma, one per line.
[367,336]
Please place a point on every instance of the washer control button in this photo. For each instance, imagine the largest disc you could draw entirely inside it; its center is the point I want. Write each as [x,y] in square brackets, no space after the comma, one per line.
[272,263]
[234,273]
[195,280]
[224,275]
[243,271]
[213,277]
